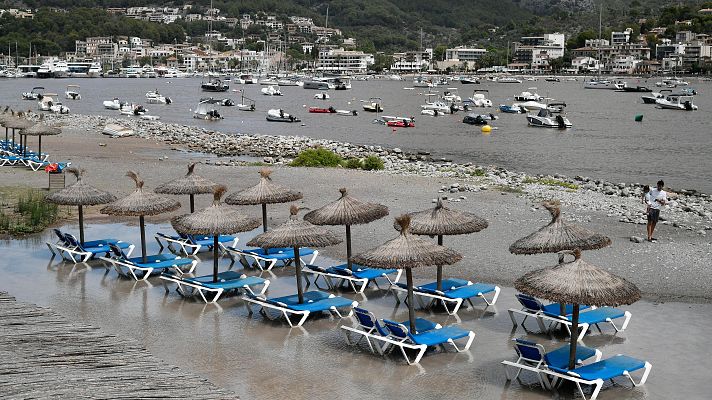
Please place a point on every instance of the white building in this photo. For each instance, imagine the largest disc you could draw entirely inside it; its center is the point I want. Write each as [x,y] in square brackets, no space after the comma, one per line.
[585,64]
[411,61]
[597,43]
[624,64]
[464,54]
[537,51]
[621,37]
[343,61]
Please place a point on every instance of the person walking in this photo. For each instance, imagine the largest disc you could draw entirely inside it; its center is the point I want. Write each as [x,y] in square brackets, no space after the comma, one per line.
[656,199]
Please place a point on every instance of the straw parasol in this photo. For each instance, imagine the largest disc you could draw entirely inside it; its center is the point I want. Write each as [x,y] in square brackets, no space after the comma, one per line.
[558,235]
[141,203]
[265,192]
[16,123]
[80,194]
[296,233]
[214,221]
[40,129]
[407,252]
[439,221]
[190,184]
[347,211]
[578,282]
[4,117]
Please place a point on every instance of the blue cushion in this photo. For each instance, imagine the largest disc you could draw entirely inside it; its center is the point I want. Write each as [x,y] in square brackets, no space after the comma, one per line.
[600,315]
[559,358]
[359,271]
[105,242]
[465,292]
[448,284]
[163,264]
[322,305]
[439,336]
[609,368]
[231,283]
[153,258]
[421,325]
[313,295]
[554,309]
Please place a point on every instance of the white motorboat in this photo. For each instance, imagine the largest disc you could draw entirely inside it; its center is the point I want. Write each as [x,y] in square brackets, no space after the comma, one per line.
[154,97]
[652,97]
[46,102]
[206,110]
[507,79]
[271,91]
[671,83]
[438,106]
[347,113]
[388,118]
[375,104]
[478,99]
[532,105]
[478,119]
[676,102]
[419,81]
[528,96]
[545,119]
[432,113]
[34,94]
[116,131]
[322,96]
[603,84]
[268,82]
[451,96]
[59,108]
[132,109]
[278,115]
[114,104]
[465,80]
[72,92]
[289,82]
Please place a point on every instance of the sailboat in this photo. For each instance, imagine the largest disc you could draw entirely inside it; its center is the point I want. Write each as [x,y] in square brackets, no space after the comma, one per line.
[598,82]
[249,106]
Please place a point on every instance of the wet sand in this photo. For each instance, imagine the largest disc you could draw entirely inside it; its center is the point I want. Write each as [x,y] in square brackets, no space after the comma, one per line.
[266,360]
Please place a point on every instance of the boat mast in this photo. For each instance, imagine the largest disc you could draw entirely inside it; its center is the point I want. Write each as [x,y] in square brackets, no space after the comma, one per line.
[600,16]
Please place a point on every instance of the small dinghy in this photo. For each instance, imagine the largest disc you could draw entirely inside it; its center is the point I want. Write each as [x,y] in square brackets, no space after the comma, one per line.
[276,115]
[116,130]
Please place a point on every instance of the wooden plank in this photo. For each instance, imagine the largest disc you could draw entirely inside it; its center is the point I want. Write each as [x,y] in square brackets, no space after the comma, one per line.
[45,356]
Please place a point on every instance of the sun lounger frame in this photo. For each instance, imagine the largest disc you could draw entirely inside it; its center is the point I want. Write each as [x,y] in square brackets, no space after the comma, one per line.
[259,260]
[202,290]
[286,312]
[186,245]
[128,269]
[444,299]
[352,280]
[406,343]
[76,255]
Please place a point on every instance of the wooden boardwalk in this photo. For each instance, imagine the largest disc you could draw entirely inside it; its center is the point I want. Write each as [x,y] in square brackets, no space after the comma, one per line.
[42,355]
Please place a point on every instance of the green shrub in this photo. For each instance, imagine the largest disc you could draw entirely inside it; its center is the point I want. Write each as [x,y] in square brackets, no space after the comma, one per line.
[30,214]
[372,163]
[353,163]
[317,158]
[551,182]
[478,172]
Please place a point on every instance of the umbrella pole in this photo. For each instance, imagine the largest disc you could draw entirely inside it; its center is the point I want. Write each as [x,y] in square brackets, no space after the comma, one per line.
[574,337]
[24,146]
[440,267]
[215,256]
[348,247]
[562,306]
[39,146]
[143,238]
[298,266]
[192,203]
[264,217]
[81,225]
[6,135]
[13,136]
[411,308]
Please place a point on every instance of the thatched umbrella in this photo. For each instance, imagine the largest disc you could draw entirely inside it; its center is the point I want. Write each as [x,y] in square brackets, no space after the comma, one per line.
[190,184]
[80,194]
[265,192]
[578,282]
[17,123]
[214,221]
[439,221]
[40,129]
[408,252]
[141,203]
[558,235]
[347,211]
[296,233]
[4,117]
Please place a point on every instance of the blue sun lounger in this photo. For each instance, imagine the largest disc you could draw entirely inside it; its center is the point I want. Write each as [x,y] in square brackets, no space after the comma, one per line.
[403,339]
[592,318]
[228,281]
[595,374]
[370,328]
[265,260]
[192,244]
[136,268]
[532,307]
[454,293]
[288,306]
[533,357]
[358,275]
[69,248]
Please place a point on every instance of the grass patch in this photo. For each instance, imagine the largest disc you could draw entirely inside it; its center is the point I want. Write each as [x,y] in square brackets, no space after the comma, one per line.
[25,211]
[353,163]
[551,182]
[373,163]
[256,164]
[317,158]
[477,172]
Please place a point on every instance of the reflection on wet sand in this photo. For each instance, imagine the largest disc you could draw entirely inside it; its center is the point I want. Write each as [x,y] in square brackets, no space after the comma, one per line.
[258,358]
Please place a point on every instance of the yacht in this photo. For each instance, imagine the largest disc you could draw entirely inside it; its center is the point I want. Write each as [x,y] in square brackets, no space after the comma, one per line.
[478,99]
[545,119]
[154,97]
[528,96]
[72,92]
[439,106]
[676,102]
[653,97]
[271,91]
[27,71]
[52,69]
[318,85]
[83,69]
[671,83]
[374,104]
[214,85]
[133,71]
[451,95]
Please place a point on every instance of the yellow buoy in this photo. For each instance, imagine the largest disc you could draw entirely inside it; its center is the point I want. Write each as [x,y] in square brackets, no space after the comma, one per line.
[486,129]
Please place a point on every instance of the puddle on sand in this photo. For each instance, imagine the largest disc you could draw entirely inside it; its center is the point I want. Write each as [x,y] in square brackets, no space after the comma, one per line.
[261,359]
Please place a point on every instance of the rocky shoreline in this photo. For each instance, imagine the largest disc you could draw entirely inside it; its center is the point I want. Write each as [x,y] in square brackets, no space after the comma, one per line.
[690,209]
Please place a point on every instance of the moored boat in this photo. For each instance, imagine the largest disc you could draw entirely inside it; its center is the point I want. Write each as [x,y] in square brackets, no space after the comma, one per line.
[278,115]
